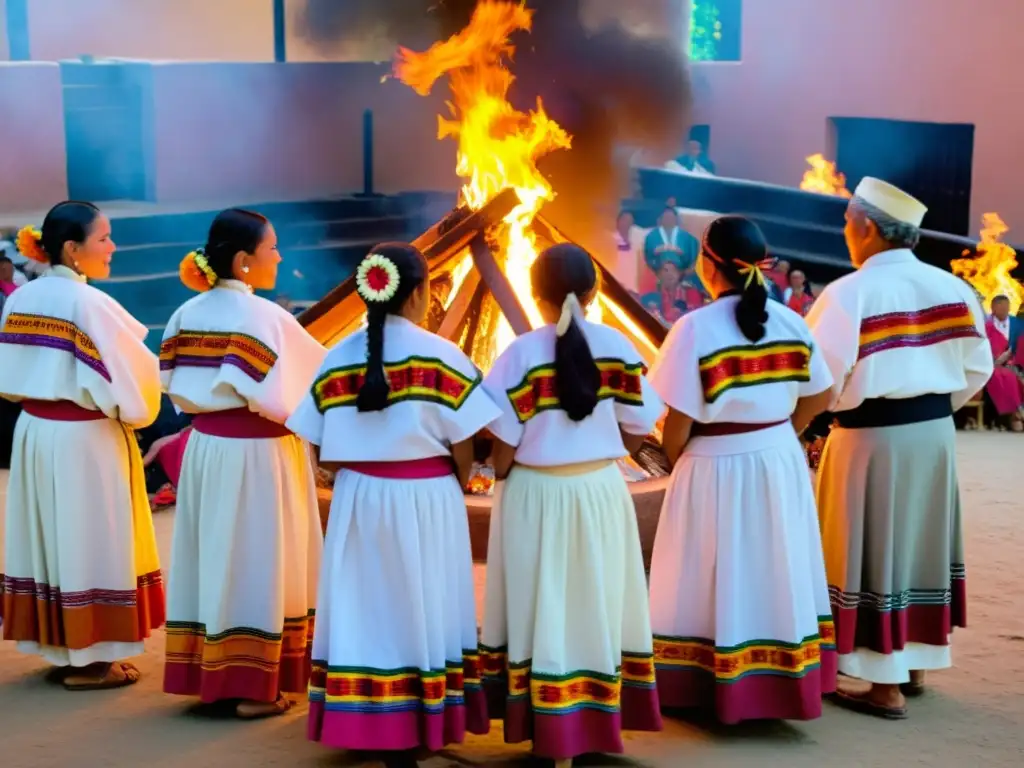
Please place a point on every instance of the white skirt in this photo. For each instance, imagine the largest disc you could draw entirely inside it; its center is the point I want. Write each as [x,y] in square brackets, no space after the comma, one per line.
[81,579]
[739,600]
[395,660]
[566,641]
[244,566]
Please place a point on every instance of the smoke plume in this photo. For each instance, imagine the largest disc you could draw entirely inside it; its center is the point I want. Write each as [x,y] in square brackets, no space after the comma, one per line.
[612,91]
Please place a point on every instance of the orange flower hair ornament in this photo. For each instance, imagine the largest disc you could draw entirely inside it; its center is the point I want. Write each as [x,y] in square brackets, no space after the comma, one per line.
[195,272]
[30,244]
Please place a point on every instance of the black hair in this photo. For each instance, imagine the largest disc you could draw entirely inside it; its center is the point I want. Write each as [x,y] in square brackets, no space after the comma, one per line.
[668,209]
[232,231]
[4,259]
[70,221]
[732,242]
[412,272]
[558,271]
[1000,297]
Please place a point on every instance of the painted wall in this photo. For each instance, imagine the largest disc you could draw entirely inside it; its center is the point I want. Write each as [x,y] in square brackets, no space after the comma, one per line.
[33,161]
[5,53]
[263,131]
[193,30]
[807,60]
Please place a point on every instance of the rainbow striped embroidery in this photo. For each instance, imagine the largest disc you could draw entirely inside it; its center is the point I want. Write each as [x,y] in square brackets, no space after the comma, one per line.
[564,694]
[757,657]
[52,332]
[753,364]
[415,378]
[920,328]
[361,689]
[537,392]
[210,349]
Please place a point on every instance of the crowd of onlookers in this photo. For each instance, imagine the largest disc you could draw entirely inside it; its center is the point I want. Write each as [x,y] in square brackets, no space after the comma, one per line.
[659,267]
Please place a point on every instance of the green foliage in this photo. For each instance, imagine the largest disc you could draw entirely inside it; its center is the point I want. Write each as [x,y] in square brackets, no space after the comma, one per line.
[705,30]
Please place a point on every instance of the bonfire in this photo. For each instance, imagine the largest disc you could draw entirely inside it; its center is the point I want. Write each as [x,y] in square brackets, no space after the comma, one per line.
[990,270]
[823,178]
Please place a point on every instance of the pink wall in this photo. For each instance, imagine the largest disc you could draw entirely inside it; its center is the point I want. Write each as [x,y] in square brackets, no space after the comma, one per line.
[926,60]
[261,131]
[33,164]
[205,30]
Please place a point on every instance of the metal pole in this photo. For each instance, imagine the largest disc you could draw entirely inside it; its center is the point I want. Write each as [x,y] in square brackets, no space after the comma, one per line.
[280,33]
[368,153]
[17,30]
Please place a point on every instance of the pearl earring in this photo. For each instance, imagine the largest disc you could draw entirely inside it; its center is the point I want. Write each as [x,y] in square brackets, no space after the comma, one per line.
[245,269]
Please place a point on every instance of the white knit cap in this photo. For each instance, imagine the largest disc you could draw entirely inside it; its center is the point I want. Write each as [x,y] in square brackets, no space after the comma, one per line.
[891,200]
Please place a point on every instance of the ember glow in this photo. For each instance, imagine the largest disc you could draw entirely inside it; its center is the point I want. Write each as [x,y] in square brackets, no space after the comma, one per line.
[989,272]
[823,178]
[499,146]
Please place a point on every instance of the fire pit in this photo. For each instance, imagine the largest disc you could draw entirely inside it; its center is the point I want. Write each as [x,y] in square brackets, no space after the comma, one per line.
[479,254]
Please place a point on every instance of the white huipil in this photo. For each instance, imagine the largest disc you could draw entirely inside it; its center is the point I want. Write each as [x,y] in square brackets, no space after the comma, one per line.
[247,536]
[81,575]
[888,496]
[395,661]
[739,604]
[566,638]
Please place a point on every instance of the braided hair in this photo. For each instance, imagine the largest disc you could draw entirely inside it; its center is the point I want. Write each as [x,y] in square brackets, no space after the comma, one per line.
[385,279]
[564,276]
[739,251]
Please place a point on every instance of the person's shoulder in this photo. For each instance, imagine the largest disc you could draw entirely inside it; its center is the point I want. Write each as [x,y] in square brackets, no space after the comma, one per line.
[607,341]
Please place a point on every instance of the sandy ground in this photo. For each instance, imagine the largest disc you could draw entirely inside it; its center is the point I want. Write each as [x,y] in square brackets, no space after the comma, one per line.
[972,716]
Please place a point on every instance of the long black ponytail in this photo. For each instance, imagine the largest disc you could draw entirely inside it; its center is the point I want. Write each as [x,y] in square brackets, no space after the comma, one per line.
[385,279]
[739,251]
[564,276]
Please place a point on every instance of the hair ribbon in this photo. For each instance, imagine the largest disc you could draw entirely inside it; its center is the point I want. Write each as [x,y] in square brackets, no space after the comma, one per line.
[571,310]
[753,271]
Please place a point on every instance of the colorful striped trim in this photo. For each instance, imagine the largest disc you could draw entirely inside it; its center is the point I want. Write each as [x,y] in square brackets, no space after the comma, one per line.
[753,364]
[919,328]
[44,593]
[620,381]
[756,657]
[564,694]
[189,643]
[897,601]
[212,349]
[52,332]
[424,379]
[369,690]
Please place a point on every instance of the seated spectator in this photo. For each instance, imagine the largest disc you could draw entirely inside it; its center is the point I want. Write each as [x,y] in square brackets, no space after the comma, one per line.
[627,267]
[163,467]
[7,275]
[798,295]
[696,160]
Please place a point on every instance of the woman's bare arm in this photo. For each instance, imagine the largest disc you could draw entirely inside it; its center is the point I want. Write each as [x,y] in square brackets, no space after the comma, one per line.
[462,455]
[633,443]
[676,434]
[808,408]
[503,456]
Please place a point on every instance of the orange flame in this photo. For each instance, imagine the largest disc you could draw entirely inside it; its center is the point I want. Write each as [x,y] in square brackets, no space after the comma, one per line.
[823,178]
[989,272]
[499,146]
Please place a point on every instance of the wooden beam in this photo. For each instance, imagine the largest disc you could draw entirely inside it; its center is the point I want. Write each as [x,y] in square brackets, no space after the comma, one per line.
[500,287]
[440,244]
[457,310]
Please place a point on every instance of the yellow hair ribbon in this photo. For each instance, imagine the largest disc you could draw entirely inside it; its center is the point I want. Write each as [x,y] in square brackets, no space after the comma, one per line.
[754,271]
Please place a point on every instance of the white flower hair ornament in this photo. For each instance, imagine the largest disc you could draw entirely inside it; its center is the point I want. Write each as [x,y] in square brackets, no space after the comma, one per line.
[377,279]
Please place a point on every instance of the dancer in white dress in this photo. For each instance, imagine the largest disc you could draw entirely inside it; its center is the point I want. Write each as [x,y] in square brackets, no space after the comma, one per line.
[81,582]
[394,409]
[567,636]
[247,536]
[739,601]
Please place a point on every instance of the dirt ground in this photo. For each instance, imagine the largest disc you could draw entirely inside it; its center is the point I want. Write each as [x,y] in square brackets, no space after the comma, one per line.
[972,716]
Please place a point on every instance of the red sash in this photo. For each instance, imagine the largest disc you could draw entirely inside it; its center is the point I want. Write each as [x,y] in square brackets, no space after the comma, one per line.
[239,423]
[416,469]
[60,410]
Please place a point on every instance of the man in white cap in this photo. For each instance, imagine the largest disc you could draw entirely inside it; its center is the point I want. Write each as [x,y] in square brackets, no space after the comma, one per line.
[907,347]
